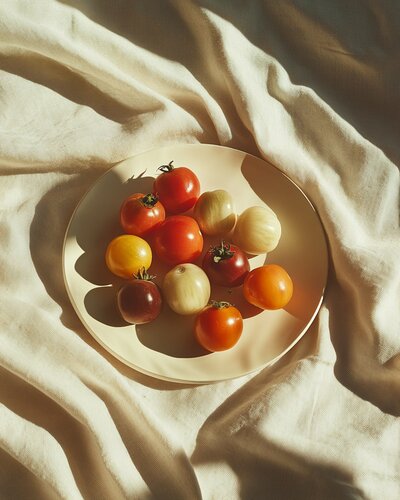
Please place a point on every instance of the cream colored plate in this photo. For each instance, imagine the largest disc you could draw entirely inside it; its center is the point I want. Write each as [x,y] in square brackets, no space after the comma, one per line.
[166,348]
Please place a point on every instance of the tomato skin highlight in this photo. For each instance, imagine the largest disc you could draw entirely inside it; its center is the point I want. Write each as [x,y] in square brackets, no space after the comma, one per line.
[230,270]
[126,254]
[178,188]
[268,287]
[218,328]
[178,240]
[140,214]
[139,301]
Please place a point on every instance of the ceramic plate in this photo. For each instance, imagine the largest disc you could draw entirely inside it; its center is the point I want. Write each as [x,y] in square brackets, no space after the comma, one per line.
[166,348]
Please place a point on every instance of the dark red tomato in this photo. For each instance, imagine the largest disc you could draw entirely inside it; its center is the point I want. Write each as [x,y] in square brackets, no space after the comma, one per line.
[139,301]
[177,188]
[219,326]
[226,265]
[140,214]
[178,239]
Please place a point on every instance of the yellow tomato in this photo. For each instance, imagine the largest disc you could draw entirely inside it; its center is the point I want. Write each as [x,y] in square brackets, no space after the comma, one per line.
[127,254]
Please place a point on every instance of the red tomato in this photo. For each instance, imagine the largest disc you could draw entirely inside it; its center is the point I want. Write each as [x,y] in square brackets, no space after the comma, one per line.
[177,188]
[226,265]
[268,287]
[178,239]
[140,214]
[219,326]
[139,301]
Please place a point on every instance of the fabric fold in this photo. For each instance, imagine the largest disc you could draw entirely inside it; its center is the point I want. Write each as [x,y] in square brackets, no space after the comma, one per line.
[310,88]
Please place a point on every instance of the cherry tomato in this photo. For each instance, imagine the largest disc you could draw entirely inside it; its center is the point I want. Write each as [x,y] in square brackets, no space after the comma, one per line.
[258,230]
[140,214]
[177,188]
[219,326]
[178,239]
[139,301]
[268,287]
[126,254]
[186,289]
[226,265]
[215,212]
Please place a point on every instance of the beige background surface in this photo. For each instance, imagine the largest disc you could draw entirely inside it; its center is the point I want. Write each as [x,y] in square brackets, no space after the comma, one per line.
[310,86]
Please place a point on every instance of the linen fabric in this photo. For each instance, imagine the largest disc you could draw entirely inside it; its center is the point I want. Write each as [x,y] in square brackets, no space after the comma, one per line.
[313,87]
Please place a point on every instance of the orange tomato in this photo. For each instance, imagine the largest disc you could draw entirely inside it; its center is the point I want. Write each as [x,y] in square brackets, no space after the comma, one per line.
[219,326]
[268,287]
[127,254]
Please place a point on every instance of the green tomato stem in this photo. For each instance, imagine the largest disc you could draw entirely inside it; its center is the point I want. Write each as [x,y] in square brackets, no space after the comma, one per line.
[220,304]
[149,200]
[143,274]
[221,252]
[167,168]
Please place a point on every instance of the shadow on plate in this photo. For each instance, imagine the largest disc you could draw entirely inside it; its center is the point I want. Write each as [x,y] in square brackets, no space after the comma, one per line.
[293,249]
[101,304]
[171,334]
[97,222]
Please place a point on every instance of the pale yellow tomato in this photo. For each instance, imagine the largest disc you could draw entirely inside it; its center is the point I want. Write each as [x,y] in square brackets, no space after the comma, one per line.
[215,212]
[257,230]
[186,288]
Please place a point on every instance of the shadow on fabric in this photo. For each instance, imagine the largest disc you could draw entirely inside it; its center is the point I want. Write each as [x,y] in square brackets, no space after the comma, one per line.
[79,446]
[286,474]
[67,83]
[328,48]
[16,481]
[226,437]
[148,25]
[356,344]
[314,45]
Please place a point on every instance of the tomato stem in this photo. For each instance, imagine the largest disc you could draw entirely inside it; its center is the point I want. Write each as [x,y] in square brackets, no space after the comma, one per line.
[143,274]
[167,168]
[221,252]
[220,304]
[149,200]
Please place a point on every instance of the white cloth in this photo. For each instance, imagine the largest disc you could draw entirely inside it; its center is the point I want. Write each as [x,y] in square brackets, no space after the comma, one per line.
[313,88]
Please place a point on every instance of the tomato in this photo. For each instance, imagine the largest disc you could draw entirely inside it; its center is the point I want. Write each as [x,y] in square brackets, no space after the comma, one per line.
[215,212]
[219,326]
[226,265]
[139,301]
[258,230]
[268,287]
[140,214]
[186,289]
[126,254]
[177,188]
[178,239]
